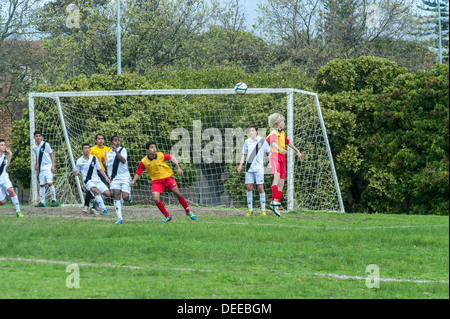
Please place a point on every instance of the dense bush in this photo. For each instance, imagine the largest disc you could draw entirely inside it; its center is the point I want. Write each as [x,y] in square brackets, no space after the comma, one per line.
[388,131]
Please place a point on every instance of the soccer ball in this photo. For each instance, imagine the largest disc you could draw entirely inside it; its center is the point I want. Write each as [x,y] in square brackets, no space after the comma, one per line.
[240,88]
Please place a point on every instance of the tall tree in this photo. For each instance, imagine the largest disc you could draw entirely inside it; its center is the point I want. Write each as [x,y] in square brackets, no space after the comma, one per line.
[430,10]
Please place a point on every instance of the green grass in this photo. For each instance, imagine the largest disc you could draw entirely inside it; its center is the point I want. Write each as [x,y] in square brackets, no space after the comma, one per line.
[226,257]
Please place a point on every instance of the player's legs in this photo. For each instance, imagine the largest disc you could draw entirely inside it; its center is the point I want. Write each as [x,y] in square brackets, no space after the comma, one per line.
[182,201]
[52,191]
[117,203]
[98,197]
[262,198]
[87,200]
[156,197]
[2,195]
[15,200]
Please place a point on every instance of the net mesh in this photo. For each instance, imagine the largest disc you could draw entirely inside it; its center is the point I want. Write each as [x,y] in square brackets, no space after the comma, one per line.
[205,133]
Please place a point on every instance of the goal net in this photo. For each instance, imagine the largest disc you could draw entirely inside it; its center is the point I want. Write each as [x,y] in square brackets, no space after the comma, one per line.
[204,129]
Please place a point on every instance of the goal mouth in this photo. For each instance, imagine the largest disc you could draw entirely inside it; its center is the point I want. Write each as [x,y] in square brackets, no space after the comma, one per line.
[204,129]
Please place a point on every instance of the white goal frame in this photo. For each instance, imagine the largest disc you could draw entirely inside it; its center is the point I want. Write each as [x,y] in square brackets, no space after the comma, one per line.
[289,122]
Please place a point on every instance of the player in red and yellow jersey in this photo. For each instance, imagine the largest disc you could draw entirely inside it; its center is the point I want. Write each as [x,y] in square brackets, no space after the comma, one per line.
[278,140]
[162,177]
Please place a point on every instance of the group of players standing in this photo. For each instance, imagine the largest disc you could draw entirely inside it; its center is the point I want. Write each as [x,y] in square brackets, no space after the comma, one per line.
[100,165]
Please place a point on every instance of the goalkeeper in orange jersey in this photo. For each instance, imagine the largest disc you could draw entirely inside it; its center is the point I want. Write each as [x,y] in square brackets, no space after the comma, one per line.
[162,178]
[278,140]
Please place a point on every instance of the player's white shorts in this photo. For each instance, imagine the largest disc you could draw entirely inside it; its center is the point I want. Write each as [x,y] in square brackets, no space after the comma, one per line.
[45,177]
[123,185]
[4,186]
[254,177]
[98,184]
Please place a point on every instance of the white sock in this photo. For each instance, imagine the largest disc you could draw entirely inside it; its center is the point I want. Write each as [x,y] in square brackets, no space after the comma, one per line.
[118,207]
[15,201]
[250,200]
[262,199]
[42,194]
[100,202]
[53,192]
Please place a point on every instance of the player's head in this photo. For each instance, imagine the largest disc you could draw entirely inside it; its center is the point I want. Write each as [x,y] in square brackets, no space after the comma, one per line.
[276,121]
[151,148]
[115,141]
[37,136]
[2,145]
[253,130]
[99,139]
[86,148]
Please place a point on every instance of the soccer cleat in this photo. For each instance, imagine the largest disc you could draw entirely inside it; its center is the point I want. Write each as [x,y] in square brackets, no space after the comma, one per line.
[130,200]
[166,219]
[94,211]
[276,211]
[263,213]
[275,203]
[249,213]
[120,221]
[105,212]
[19,214]
[86,209]
[191,216]
[40,205]
[53,203]
[96,206]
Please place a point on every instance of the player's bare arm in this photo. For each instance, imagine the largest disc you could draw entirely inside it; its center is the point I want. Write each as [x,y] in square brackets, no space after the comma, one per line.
[275,145]
[8,150]
[120,157]
[244,156]
[136,177]
[105,176]
[53,162]
[179,170]
[296,150]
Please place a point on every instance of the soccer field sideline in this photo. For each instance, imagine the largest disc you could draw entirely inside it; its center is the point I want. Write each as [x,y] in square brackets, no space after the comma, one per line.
[131,267]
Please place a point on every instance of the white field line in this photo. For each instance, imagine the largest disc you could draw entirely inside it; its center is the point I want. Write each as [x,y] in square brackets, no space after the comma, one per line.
[326,275]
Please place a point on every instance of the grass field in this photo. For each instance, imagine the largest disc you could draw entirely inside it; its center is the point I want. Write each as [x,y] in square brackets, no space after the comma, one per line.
[221,255]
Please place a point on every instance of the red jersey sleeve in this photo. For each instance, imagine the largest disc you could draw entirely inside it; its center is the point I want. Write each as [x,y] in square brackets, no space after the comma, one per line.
[272,138]
[141,168]
[167,157]
[286,140]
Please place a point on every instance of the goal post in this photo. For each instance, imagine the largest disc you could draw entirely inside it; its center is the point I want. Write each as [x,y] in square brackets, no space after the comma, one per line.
[212,124]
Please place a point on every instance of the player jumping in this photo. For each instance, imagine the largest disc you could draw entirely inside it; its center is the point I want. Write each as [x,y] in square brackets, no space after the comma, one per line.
[277,140]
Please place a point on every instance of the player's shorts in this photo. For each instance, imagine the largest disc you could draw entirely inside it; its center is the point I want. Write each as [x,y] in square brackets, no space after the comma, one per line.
[123,185]
[98,184]
[45,177]
[4,186]
[278,164]
[254,177]
[159,185]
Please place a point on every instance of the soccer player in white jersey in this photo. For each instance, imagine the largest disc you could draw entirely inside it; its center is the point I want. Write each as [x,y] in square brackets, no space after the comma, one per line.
[6,186]
[89,167]
[117,166]
[45,164]
[253,153]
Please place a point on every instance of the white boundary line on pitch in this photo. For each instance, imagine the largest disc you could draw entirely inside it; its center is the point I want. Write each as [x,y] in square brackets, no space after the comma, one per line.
[326,275]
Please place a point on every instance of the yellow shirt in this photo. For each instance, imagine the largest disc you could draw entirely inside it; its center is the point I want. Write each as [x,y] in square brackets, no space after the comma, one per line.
[278,137]
[157,167]
[100,153]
